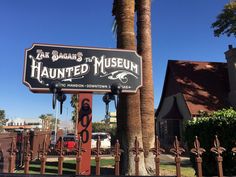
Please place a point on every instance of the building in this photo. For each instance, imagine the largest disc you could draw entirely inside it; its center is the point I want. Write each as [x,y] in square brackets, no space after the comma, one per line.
[191,88]
[110,119]
[23,123]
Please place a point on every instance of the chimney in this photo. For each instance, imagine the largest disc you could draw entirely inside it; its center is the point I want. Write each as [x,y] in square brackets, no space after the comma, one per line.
[230,56]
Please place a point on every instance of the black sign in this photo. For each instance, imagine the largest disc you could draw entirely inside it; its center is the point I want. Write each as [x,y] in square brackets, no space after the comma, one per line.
[81,68]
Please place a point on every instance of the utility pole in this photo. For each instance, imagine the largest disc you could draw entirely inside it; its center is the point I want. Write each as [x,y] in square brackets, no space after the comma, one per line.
[55,127]
[76,117]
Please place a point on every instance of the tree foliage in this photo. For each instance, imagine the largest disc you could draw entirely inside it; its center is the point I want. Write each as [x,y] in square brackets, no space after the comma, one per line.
[3,119]
[221,123]
[73,103]
[2,115]
[226,21]
[49,121]
[100,127]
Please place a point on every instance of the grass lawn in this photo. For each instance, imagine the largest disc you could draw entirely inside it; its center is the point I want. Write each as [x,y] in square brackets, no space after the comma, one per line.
[68,166]
[106,168]
[170,169]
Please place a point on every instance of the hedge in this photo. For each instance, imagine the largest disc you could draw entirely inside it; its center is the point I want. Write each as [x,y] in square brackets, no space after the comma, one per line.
[221,123]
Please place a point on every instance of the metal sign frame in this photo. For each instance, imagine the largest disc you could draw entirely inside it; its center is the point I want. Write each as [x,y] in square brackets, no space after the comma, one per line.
[110,61]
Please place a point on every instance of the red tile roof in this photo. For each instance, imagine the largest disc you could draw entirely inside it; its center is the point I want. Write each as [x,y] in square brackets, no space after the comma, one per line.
[204,85]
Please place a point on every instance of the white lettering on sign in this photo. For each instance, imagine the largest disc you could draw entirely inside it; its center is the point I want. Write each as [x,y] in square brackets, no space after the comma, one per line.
[66,56]
[38,71]
[103,63]
[41,54]
[55,55]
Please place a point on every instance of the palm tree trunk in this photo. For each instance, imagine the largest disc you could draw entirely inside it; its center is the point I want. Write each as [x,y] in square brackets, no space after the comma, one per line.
[128,114]
[144,46]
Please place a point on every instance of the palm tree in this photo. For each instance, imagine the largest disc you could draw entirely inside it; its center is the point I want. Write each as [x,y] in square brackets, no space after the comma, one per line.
[45,123]
[226,21]
[74,103]
[53,122]
[144,47]
[48,121]
[3,119]
[128,112]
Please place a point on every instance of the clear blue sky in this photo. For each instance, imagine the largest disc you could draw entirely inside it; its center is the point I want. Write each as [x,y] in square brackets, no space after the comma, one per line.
[180,30]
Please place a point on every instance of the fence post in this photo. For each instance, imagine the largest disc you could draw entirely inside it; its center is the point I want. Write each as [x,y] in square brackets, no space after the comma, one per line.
[60,151]
[12,152]
[79,151]
[198,151]
[157,151]
[43,158]
[177,151]
[28,154]
[38,153]
[136,151]
[218,151]
[98,151]
[117,152]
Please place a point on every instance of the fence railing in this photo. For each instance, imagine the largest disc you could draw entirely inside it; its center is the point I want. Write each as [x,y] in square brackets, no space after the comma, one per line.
[176,150]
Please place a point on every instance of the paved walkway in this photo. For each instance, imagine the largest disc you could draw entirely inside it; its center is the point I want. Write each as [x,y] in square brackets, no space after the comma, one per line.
[170,159]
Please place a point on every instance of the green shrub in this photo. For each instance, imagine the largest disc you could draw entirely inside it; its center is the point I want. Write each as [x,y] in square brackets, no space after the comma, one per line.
[221,123]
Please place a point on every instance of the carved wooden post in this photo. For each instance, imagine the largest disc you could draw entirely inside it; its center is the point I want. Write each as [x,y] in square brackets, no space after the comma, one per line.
[61,151]
[117,152]
[177,151]
[218,151]
[136,151]
[79,151]
[98,151]
[28,154]
[12,156]
[43,153]
[198,151]
[157,151]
